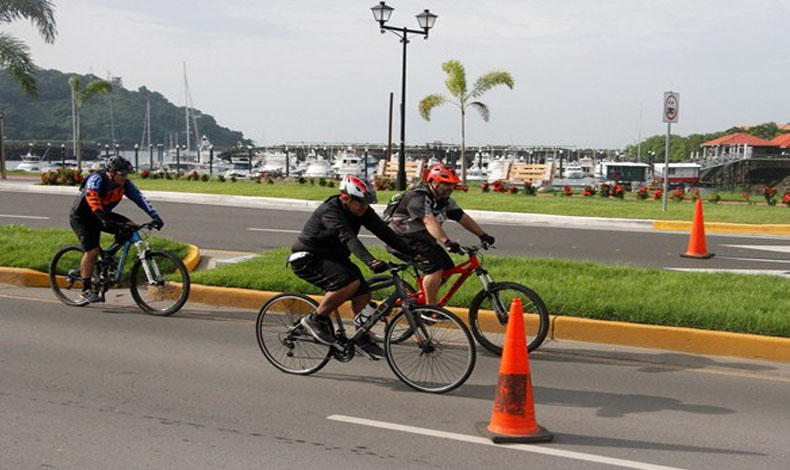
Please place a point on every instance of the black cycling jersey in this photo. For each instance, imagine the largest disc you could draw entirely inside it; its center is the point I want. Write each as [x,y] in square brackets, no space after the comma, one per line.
[407,217]
[332,232]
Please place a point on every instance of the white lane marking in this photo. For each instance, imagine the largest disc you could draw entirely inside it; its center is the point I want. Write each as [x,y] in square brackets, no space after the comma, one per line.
[277,230]
[12,216]
[763,260]
[777,248]
[773,272]
[536,449]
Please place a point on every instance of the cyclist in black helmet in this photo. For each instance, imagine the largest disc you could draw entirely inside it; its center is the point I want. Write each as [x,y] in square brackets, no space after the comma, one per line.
[92,213]
[321,254]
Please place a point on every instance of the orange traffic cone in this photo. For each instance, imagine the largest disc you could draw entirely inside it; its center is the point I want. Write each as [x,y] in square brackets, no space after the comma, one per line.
[697,247]
[513,416]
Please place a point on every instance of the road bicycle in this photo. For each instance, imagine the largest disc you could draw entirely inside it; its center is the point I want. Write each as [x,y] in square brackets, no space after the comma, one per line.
[434,351]
[158,280]
[490,307]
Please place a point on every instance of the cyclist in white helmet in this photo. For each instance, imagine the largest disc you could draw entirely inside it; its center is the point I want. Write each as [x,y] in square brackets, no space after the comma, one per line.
[321,254]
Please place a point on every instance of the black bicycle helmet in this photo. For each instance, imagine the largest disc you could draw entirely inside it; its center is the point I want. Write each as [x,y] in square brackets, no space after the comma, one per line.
[119,164]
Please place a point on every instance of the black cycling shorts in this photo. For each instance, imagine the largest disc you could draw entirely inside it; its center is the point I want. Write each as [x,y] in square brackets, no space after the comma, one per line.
[329,274]
[89,229]
[434,257]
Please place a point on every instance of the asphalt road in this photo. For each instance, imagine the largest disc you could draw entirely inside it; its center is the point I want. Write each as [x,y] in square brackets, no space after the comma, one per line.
[111,387]
[244,229]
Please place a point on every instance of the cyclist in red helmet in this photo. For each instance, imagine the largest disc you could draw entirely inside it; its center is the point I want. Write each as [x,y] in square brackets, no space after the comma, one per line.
[419,216]
[321,254]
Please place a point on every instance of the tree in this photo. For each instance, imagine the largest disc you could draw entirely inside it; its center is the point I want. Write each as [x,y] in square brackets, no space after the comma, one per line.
[14,54]
[456,85]
[78,96]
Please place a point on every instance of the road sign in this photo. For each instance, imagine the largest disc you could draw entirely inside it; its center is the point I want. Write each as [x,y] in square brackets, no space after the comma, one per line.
[671,106]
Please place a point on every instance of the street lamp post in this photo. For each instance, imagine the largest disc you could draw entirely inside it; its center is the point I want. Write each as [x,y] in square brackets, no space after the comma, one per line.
[426,20]
[136,159]
[211,160]
[63,156]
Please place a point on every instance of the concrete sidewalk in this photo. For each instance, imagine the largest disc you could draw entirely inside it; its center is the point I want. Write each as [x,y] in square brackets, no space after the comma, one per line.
[509,218]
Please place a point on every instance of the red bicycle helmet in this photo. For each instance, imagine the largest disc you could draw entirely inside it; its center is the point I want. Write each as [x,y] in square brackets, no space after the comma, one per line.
[359,189]
[442,174]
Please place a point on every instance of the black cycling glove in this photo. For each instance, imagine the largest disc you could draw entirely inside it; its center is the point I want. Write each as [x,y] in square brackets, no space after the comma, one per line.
[453,247]
[487,239]
[157,223]
[378,266]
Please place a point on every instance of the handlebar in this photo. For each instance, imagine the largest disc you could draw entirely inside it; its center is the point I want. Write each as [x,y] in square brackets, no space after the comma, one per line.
[474,249]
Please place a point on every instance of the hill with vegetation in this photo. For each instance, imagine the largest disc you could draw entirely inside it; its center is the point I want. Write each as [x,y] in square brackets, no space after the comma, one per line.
[48,119]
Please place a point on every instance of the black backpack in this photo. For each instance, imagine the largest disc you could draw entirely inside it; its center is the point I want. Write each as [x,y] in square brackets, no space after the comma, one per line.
[396,199]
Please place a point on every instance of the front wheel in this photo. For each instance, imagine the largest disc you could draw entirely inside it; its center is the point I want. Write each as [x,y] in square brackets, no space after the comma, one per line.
[489,311]
[65,278]
[283,341]
[161,285]
[437,357]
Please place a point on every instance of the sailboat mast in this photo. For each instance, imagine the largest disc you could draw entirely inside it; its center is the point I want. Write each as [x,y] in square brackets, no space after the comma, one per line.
[186,103]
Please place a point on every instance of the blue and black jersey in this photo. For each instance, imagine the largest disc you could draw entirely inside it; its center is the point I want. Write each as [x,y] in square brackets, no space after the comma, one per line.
[98,192]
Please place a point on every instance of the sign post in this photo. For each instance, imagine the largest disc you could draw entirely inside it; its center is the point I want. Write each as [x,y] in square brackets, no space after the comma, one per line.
[671,107]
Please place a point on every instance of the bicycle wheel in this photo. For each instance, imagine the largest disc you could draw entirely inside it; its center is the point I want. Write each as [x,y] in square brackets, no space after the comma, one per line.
[489,311]
[168,288]
[437,358]
[64,276]
[283,341]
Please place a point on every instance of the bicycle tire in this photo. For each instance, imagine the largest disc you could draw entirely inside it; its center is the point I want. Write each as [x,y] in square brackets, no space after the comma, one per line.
[449,359]
[490,332]
[156,299]
[67,288]
[277,316]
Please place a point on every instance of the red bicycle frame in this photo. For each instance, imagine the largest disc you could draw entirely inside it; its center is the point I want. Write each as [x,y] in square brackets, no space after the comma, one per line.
[465,269]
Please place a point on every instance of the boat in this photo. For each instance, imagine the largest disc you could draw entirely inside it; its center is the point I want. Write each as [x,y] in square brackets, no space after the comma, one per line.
[573,172]
[317,167]
[31,163]
[274,163]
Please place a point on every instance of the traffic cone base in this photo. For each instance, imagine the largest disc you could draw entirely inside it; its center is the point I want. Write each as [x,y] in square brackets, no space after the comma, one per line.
[540,435]
[697,247]
[513,414]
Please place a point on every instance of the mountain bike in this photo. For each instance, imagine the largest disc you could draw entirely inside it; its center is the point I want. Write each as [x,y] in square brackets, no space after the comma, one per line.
[158,280]
[490,307]
[434,351]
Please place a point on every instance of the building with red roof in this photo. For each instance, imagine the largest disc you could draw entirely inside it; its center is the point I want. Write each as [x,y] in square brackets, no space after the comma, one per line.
[739,145]
[782,140]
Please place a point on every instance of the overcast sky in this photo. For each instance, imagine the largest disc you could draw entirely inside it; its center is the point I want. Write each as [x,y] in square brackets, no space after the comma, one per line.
[313,71]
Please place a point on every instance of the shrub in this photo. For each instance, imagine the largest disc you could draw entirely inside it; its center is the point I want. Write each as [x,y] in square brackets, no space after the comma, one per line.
[786,199]
[145,174]
[233,179]
[512,190]
[204,177]
[714,199]
[677,195]
[658,194]
[768,193]
[485,187]
[321,182]
[567,191]
[193,176]
[695,195]
[330,184]
[618,191]
[641,193]
[498,187]
[258,180]
[301,180]
[529,189]
[312,182]
[746,196]
[221,178]
[605,190]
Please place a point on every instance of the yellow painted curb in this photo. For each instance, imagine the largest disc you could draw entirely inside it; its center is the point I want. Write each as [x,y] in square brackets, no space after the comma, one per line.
[718,343]
[192,259]
[723,227]
[23,277]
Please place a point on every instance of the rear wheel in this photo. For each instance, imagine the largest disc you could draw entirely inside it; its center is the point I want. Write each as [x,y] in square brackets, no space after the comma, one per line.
[167,288]
[283,341]
[65,278]
[489,311]
[436,358]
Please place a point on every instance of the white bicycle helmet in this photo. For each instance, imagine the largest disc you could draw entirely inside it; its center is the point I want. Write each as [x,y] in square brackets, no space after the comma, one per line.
[358,189]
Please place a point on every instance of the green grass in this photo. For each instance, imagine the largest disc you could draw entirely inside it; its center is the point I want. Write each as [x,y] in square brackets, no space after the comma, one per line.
[712,301]
[23,247]
[474,199]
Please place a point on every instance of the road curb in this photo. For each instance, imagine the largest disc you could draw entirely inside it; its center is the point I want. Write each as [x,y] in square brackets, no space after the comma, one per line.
[723,227]
[192,259]
[690,340]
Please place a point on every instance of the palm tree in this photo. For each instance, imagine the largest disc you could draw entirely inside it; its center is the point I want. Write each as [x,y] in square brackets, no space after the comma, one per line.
[78,96]
[14,54]
[456,84]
